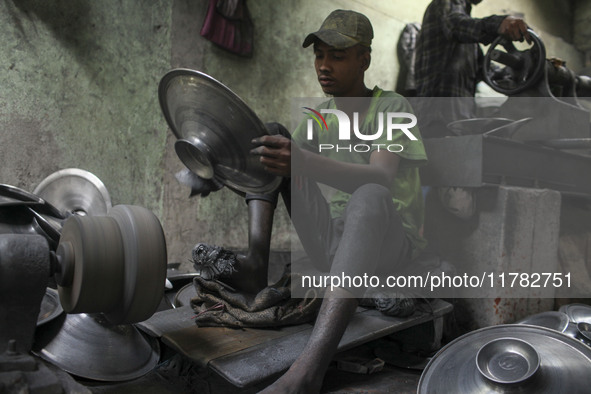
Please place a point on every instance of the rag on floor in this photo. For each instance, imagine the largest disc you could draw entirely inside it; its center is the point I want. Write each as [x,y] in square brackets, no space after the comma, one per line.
[217,305]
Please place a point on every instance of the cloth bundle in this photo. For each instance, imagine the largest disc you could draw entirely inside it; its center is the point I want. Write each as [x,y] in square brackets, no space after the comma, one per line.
[217,305]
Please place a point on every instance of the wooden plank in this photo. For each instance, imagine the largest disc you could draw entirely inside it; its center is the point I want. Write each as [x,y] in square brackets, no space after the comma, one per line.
[248,356]
[202,344]
[258,363]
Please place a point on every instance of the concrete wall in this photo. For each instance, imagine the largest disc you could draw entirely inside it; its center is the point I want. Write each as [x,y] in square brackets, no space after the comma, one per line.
[78,85]
[79,89]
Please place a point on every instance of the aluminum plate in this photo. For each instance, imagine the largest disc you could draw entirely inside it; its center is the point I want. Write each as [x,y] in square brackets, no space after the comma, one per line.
[214,128]
[565,364]
[90,347]
[553,320]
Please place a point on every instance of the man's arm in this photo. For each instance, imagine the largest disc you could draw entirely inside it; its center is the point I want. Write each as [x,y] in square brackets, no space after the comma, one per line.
[276,153]
[459,25]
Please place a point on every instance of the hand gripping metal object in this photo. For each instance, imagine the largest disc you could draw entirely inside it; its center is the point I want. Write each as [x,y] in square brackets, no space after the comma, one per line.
[214,128]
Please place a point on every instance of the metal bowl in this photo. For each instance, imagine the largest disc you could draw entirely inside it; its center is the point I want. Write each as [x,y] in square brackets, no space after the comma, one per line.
[585,331]
[214,128]
[507,360]
[577,312]
[573,331]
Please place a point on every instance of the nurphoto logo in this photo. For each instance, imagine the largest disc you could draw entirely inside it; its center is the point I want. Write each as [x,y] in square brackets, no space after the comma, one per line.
[392,120]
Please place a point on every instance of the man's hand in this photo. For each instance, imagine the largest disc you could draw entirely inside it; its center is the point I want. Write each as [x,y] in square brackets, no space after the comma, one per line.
[515,29]
[198,185]
[275,153]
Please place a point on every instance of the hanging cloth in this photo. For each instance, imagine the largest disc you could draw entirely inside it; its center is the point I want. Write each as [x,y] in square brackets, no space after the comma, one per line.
[228,25]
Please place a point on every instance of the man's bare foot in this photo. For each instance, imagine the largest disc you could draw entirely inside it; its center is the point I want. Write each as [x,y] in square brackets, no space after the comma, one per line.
[243,273]
[297,380]
[250,275]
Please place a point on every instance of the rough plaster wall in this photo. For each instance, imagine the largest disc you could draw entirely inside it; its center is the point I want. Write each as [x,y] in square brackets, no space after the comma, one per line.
[78,84]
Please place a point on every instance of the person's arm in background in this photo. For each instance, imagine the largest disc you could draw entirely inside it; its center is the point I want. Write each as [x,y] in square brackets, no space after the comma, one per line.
[460,26]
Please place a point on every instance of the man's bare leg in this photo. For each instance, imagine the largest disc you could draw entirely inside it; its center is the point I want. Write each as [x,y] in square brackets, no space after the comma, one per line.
[307,372]
[251,275]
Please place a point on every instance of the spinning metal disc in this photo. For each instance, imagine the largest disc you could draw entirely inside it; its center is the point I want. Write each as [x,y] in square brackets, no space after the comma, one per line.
[112,264]
[75,191]
[91,258]
[90,347]
[214,128]
[145,263]
[564,363]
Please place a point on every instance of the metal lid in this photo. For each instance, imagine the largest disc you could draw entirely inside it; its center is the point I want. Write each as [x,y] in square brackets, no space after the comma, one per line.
[577,312]
[88,346]
[564,363]
[214,128]
[75,191]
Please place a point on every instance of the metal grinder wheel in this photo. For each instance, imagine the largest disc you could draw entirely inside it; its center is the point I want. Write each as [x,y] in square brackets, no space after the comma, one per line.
[114,264]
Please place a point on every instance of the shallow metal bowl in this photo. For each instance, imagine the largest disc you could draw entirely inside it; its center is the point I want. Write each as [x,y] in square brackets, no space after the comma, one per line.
[507,360]
[584,329]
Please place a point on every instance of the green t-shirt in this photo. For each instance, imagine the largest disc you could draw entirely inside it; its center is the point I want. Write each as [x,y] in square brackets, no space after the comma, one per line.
[406,188]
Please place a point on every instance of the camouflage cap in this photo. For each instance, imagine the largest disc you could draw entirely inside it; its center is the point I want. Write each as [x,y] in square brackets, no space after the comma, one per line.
[343,29]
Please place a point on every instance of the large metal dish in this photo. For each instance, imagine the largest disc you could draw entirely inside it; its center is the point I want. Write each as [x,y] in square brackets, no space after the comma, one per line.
[214,128]
[554,320]
[564,363]
[89,346]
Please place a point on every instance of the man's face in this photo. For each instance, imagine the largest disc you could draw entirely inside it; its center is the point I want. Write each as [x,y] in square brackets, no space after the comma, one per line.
[340,71]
